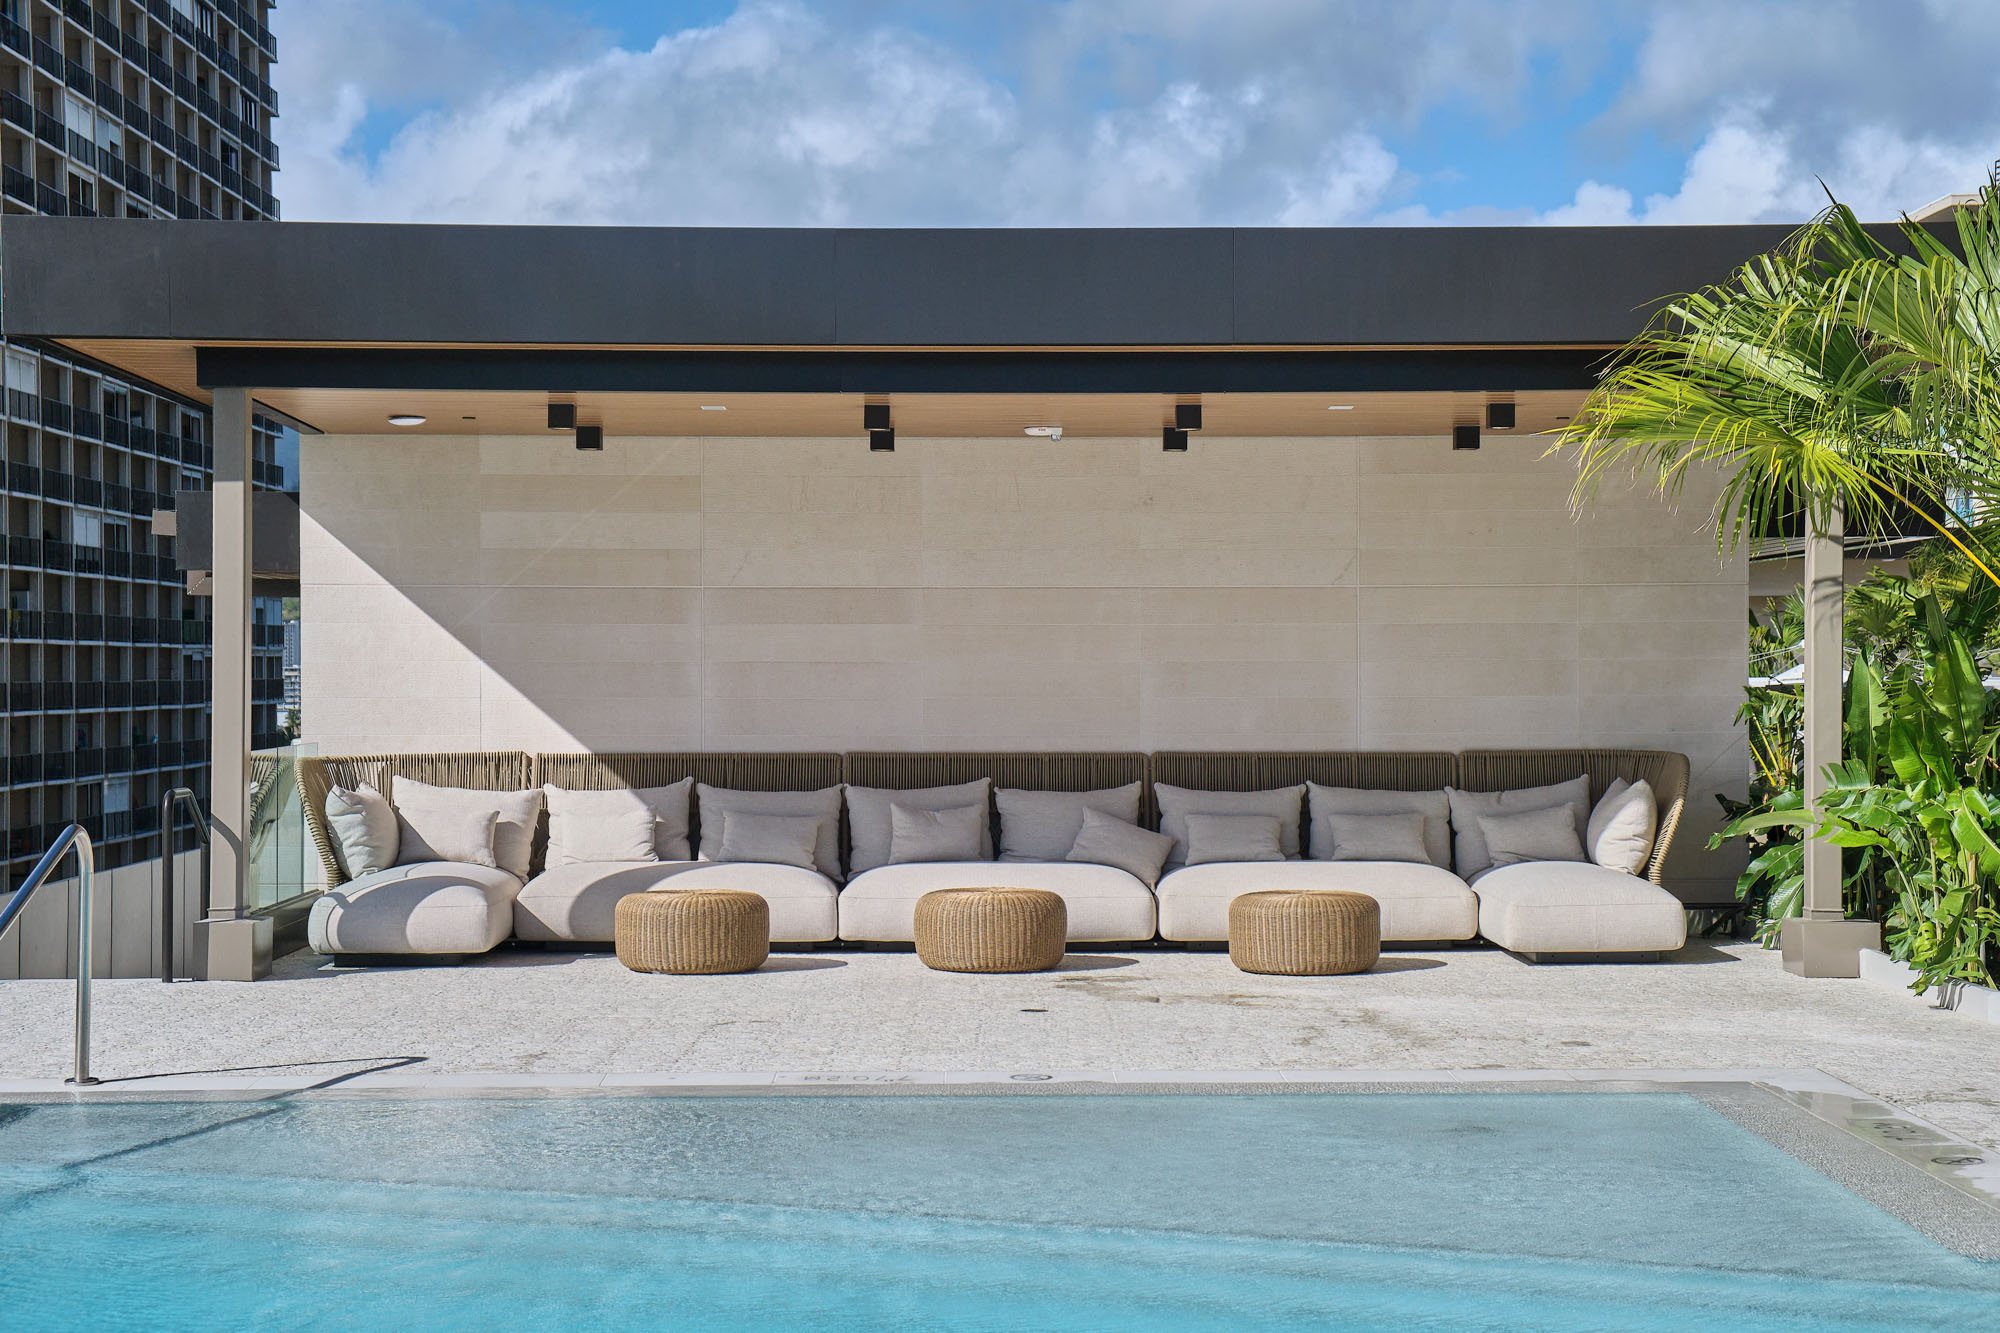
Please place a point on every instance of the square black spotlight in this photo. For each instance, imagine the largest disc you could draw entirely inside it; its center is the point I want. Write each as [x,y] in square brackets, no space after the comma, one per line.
[1465,437]
[875,416]
[1174,440]
[882,441]
[590,438]
[562,416]
[1499,416]
[1187,416]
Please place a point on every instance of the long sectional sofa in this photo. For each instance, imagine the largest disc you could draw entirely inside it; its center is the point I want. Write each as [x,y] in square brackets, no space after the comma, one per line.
[1540,909]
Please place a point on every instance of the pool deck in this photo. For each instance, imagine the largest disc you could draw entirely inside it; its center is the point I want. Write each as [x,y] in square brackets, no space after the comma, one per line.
[548,1020]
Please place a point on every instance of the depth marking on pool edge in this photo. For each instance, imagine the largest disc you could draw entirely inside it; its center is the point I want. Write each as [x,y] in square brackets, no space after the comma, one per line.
[1968,1168]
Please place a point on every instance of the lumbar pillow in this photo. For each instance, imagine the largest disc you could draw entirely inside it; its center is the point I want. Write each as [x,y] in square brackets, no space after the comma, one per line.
[1234,838]
[1619,835]
[515,814]
[620,835]
[718,805]
[1043,825]
[448,833]
[1434,806]
[868,824]
[667,805]
[1532,835]
[785,840]
[1469,843]
[363,825]
[1377,837]
[1280,803]
[936,835]
[1106,840]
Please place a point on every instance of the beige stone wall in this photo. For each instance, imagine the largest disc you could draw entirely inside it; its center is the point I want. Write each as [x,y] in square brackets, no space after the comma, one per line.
[483,593]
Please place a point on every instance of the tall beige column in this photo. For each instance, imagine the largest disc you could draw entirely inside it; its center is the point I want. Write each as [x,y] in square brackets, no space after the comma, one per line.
[235,945]
[1822,942]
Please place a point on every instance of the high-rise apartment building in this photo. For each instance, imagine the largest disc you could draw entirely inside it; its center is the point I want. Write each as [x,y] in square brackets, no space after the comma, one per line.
[117,109]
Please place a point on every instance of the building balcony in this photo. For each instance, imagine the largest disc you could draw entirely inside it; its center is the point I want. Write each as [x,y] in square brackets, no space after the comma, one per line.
[58,696]
[17,110]
[24,551]
[24,696]
[57,767]
[118,759]
[146,755]
[89,490]
[117,497]
[51,131]
[117,431]
[15,37]
[56,485]
[55,415]
[118,693]
[118,564]
[145,693]
[25,478]
[89,629]
[58,624]
[24,768]
[48,59]
[143,439]
[17,184]
[89,762]
[89,694]
[86,423]
[83,559]
[24,624]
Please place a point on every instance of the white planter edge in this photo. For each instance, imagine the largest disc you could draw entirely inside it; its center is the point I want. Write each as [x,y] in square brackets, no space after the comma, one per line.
[1960,996]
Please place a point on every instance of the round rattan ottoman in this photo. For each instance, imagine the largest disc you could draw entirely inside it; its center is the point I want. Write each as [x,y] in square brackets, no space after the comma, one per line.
[991,930]
[1305,934]
[693,932]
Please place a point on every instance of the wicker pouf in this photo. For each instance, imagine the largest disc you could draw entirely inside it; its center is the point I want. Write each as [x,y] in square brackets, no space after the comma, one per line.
[693,931]
[1305,934]
[991,930]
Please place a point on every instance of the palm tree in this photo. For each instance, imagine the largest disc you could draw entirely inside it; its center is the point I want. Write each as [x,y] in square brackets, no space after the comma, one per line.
[1833,375]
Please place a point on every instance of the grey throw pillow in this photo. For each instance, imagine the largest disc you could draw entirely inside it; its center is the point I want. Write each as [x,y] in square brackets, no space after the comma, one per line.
[447,833]
[1280,803]
[516,815]
[1533,835]
[869,829]
[785,840]
[363,828]
[668,805]
[1434,806]
[1108,841]
[1469,844]
[1043,825]
[1212,838]
[1377,837]
[718,804]
[620,835]
[1619,835]
[936,835]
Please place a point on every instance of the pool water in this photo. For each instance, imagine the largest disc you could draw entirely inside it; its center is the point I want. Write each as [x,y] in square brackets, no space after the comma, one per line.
[1461,1211]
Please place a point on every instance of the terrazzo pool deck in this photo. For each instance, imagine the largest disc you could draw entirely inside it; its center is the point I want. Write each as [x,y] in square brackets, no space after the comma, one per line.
[1135,1016]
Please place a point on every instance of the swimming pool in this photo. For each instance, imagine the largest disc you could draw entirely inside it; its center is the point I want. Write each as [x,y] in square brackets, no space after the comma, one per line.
[1482,1211]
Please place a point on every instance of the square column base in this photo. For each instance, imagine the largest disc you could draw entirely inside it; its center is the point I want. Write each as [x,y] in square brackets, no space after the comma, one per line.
[234,950]
[1814,948]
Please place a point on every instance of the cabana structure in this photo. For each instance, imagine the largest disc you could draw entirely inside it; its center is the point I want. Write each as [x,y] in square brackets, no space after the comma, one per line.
[570,489]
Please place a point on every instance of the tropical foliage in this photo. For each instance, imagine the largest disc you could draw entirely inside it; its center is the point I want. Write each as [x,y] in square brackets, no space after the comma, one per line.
[1839,379]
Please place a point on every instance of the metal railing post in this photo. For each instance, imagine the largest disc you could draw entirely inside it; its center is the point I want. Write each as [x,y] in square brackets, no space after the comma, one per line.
[86,948]
[168,935]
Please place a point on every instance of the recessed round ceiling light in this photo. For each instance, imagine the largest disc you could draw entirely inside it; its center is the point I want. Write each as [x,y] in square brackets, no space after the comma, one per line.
[713,407]
[1044,432]
[407,419]
[1340,407]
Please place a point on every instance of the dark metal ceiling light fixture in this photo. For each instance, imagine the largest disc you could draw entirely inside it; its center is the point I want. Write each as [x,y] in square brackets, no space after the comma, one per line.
[590,438]
[562,416]
[881,430]
[1465,436]
[1173,439]
[1187,416]
[1499,416]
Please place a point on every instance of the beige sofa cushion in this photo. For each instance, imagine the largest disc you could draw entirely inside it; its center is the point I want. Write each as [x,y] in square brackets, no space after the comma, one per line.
[1574,907]
[718,803]
[1622,827]
[363,829]
[516,815]
[426,907]
[1434,806]
[870,830]
[567,807]
[1104,904]
[1043,825]
[1469,855]
[1419,902]
[579,902]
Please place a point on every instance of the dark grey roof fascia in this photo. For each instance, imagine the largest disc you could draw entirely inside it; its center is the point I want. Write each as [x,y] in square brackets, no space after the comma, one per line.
[847,288]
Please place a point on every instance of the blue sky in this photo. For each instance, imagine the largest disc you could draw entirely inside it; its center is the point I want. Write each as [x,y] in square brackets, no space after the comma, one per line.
[1195,112]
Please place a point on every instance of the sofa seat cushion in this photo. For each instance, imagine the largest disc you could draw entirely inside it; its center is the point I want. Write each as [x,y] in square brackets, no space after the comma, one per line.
[424,907]
[1418,901]
[578,903]
[1563,907]
[1104,903]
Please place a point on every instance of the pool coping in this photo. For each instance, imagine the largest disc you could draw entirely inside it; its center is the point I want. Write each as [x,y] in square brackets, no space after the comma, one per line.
[1834,1127]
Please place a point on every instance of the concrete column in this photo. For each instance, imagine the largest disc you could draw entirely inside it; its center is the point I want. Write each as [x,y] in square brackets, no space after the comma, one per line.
[234,945]
[1822,942]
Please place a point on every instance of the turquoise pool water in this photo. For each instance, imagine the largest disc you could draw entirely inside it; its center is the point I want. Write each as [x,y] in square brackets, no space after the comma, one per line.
[1502,1211]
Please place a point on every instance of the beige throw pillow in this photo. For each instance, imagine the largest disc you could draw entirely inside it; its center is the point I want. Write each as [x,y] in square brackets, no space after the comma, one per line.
[785,840]
[1178,803]
[363,828]
[1469,844]
[1106,840]
[448,833]
[1533,835]
[869,830]
[1377,837]
[516,814]
[718,805]
[936,835]
[1432,805]
[1213,838]
[1043,825]
[668,806]
[1622,827]
[619,835]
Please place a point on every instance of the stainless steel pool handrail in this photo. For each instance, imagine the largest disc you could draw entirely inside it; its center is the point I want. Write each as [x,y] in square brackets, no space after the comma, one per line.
[86,865]
[179,796]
